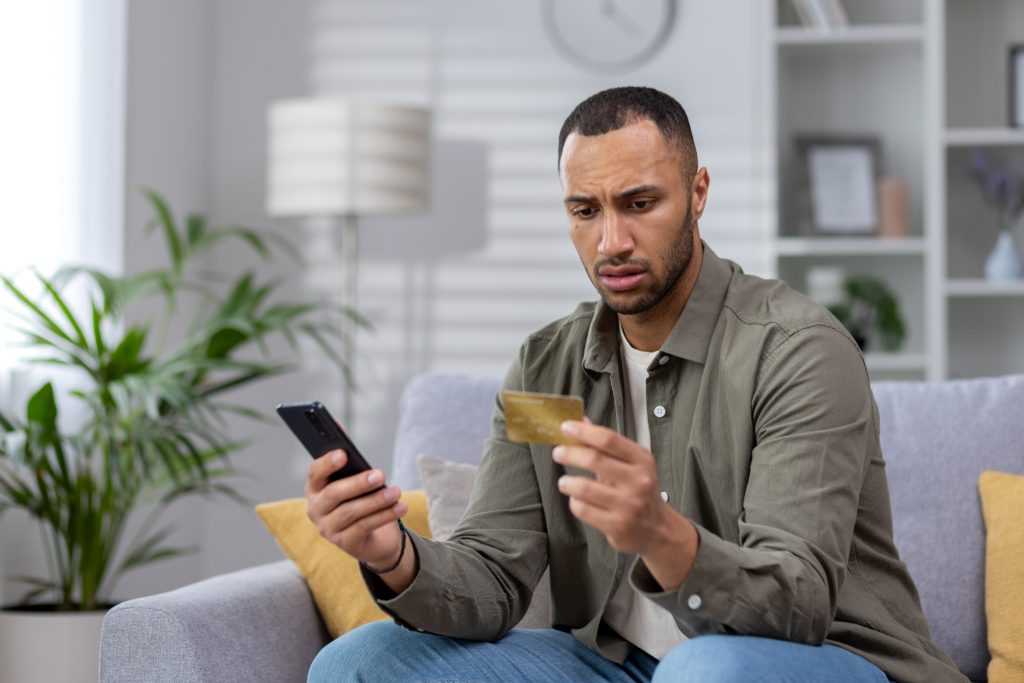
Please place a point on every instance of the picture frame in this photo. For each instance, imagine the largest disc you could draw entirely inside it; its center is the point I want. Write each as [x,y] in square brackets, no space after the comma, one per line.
[839,184]
[1015,93]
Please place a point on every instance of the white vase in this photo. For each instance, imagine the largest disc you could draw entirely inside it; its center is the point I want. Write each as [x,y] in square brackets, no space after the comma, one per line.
[1004,262]
[50,647]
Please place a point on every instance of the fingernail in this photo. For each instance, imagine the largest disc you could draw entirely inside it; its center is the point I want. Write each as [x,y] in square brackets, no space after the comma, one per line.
[375,477]
[400,508]
[561,483]
[336,459]
[391,493]
[557,454]
[569,427]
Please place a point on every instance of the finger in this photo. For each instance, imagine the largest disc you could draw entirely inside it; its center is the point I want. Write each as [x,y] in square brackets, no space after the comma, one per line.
[338,492]
[604,466]
[594,493]
[358,531]
[605,440]
[350,512]
[605,521]
[323,467]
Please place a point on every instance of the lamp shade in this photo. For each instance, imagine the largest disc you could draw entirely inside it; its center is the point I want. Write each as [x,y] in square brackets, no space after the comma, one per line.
[333,157]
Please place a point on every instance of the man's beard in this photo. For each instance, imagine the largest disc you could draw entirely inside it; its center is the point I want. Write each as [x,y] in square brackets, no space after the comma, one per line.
[676,258]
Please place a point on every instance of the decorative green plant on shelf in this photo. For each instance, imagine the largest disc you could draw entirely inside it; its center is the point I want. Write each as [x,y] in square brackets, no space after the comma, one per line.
[871,311]
[154,409]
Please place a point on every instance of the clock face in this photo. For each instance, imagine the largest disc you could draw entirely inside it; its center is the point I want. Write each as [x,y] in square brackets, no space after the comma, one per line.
[609,34]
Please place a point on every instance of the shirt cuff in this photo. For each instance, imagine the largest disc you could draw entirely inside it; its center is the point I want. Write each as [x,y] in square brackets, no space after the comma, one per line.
[411,606]
[703,602]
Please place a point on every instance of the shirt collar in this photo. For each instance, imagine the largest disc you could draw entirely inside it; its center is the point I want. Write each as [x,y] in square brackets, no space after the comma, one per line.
[690,336]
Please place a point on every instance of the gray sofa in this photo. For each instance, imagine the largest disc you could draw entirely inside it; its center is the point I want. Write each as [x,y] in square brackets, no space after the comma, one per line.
[260,624]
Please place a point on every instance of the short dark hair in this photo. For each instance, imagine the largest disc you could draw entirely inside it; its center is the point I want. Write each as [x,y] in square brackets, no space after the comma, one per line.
[615,108]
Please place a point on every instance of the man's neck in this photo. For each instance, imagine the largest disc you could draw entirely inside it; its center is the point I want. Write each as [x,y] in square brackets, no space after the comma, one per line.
[647,331]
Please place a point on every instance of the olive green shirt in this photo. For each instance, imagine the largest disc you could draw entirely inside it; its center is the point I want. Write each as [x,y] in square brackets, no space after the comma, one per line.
[766,437]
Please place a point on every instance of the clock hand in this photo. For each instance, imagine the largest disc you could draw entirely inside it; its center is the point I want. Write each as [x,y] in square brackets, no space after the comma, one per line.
[610,10]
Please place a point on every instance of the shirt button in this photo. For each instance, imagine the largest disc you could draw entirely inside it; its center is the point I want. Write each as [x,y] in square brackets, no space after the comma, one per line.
[694,602]
[662,360]
[659,411]
[664,496]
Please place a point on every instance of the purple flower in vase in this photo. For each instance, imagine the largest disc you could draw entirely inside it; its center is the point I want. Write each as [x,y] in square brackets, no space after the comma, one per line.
[1001,187]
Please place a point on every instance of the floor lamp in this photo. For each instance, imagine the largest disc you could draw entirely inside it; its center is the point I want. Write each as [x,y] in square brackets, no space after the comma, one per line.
[342,159]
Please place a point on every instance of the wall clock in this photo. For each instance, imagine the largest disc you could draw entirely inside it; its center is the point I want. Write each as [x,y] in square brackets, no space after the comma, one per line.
[609,35]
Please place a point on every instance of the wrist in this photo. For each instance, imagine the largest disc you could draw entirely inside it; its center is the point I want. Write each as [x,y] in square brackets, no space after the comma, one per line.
[396,560]
[670,557]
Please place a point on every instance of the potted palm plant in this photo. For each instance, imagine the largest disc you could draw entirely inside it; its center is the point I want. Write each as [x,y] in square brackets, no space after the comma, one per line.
[150,412]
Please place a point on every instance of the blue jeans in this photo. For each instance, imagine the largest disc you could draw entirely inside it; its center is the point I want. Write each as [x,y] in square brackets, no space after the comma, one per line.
[384,653]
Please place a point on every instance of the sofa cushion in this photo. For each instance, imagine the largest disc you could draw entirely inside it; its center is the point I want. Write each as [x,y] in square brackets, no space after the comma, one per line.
[333,576]
[937,438]
[442,413]
[1002,504]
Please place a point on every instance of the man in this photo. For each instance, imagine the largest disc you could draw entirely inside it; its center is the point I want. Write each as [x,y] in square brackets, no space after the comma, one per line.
[726,516]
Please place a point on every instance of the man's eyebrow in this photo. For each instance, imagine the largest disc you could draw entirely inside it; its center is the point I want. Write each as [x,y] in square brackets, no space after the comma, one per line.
[641,189]
[626,194]
[578,199]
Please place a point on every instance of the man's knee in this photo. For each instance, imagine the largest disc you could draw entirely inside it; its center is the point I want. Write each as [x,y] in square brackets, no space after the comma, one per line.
[709,659]
[357,655]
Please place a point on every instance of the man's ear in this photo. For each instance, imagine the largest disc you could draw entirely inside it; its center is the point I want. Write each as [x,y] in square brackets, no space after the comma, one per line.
[699,191]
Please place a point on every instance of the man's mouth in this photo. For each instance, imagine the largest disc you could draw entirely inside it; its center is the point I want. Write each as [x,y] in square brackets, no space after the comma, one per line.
[621,278]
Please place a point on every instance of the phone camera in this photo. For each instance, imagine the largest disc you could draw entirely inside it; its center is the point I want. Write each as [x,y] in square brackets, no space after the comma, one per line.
[317,424]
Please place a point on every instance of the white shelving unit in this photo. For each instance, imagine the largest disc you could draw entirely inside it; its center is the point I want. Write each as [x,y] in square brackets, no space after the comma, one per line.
[852,35]
[982,137]
[928,78]
[978,288]
[839,246]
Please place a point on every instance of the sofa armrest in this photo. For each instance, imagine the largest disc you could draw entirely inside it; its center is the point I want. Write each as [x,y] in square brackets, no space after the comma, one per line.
[258,624]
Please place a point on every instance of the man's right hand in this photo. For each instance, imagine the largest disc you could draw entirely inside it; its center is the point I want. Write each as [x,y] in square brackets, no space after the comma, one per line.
[364,527]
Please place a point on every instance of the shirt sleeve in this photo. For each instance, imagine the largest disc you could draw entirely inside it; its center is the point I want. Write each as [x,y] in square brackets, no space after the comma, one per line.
[478,583]
[815,427]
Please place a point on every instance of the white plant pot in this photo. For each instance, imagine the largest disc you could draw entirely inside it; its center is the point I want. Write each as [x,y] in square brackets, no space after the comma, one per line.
[50,647]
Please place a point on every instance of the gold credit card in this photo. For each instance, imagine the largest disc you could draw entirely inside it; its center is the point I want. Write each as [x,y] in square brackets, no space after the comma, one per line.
[537,418]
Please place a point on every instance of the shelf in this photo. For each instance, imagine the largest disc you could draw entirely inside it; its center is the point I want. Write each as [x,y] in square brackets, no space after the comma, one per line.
[896,362]
[848,246]
[983,288]
[969,137]
[850,35]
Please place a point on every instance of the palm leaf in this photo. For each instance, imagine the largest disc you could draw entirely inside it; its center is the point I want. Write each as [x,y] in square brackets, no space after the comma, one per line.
[166,222]
[40,315]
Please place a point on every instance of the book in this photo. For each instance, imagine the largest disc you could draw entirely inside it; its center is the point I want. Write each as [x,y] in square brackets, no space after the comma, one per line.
[801,11]
[835,12]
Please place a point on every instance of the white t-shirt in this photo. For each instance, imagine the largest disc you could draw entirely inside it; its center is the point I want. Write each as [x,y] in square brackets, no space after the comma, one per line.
[634,617]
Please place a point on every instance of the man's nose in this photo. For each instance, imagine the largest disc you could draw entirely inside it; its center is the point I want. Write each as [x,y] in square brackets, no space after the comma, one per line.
[616,238]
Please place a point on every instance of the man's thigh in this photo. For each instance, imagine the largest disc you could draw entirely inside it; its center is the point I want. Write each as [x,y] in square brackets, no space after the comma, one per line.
[383,652]
[736,659]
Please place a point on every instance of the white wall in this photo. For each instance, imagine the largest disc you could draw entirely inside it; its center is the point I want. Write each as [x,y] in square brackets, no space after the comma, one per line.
[200,76]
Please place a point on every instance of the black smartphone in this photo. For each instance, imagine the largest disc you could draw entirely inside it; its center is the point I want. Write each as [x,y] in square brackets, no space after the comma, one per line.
[320,433]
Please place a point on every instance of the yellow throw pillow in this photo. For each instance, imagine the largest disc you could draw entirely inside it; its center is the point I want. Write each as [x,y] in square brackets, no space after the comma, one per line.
[1002,504]
[333,576]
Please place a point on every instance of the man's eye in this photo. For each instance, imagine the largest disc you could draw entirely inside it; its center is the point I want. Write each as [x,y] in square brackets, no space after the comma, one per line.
[642,203]
[583,212]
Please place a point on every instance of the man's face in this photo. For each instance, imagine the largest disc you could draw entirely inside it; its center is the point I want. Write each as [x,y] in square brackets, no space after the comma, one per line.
[629,212]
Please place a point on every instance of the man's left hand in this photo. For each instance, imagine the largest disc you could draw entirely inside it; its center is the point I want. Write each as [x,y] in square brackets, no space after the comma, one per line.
[624,501]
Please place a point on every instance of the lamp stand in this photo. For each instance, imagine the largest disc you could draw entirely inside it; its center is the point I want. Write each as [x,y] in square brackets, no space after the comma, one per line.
[350,284]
